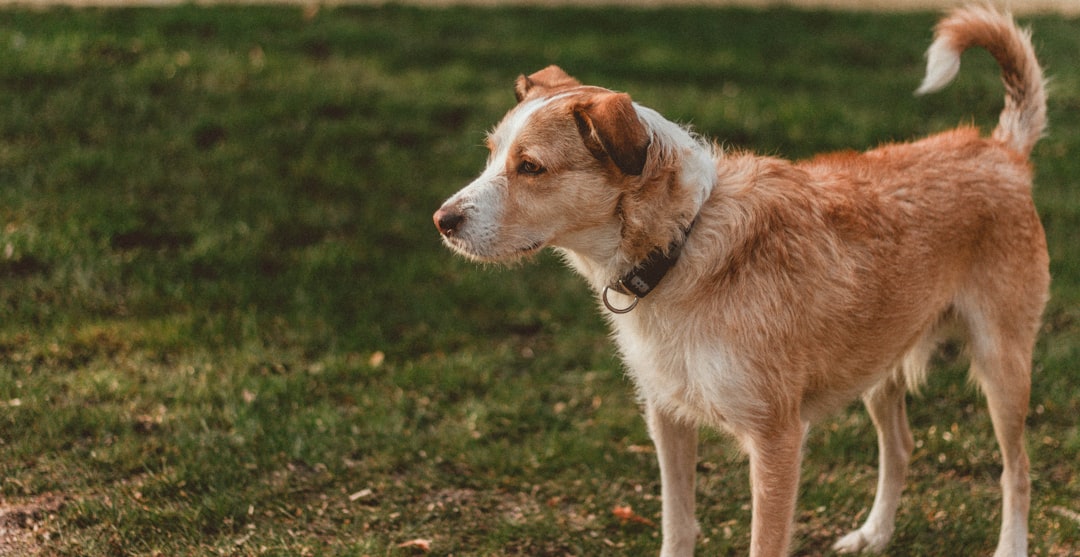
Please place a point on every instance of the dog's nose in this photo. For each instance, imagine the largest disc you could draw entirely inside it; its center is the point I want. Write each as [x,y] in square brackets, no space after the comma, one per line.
[447,220]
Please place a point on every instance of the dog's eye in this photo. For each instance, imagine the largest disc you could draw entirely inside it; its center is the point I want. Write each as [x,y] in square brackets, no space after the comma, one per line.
[530,167]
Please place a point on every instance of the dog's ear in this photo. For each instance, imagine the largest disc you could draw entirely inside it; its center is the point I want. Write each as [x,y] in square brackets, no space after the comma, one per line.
[547,80]
[610,127]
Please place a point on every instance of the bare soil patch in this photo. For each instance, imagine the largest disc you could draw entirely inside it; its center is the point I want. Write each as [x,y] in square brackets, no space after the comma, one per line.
[23,524]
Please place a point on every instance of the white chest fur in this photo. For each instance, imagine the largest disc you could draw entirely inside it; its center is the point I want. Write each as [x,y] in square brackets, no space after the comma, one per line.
[695,378]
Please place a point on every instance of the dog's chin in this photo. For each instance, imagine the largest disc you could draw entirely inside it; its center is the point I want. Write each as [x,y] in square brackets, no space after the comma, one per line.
[504,256]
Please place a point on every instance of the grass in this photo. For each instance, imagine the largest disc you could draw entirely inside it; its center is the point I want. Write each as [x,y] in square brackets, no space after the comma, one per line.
[227,325]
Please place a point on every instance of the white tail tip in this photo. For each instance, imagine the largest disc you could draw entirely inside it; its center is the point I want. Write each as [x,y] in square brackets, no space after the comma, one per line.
[942,65]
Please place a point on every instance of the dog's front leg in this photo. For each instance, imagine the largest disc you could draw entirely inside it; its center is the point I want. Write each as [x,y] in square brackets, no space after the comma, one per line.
[775,458]
[676,449]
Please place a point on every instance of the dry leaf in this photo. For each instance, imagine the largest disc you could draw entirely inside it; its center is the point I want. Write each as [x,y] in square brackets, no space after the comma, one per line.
[1067,513]
[420,544]
[362,494]
[627,514]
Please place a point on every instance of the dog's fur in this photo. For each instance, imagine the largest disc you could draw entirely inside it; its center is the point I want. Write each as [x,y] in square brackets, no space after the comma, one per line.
[801,285]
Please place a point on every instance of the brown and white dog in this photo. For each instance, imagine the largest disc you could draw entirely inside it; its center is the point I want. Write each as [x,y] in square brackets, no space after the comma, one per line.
[780,291]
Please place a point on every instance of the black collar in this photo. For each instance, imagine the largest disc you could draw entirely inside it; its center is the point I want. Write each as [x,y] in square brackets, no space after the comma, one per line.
[644,277]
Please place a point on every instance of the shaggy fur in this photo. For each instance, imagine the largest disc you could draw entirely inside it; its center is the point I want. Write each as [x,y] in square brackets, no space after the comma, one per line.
[801,285]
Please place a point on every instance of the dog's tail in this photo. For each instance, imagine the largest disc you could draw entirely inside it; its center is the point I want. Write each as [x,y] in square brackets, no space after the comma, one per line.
[1024,117]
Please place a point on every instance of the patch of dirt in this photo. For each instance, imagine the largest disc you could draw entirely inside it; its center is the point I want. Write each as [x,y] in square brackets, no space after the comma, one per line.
[22,524]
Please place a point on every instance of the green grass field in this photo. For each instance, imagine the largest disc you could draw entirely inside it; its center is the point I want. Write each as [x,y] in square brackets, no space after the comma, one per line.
[228,327]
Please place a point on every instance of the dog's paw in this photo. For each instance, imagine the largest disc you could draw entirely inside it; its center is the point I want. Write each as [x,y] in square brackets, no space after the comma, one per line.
[863,539]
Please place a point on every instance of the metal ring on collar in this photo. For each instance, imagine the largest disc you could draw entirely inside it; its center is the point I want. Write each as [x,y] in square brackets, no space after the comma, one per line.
[613,309]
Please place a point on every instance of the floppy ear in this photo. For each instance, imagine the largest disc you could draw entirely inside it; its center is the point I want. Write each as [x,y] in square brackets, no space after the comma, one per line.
[547,80]
[610,127]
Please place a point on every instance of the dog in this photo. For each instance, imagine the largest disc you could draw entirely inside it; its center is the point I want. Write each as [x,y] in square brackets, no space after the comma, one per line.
[755,295]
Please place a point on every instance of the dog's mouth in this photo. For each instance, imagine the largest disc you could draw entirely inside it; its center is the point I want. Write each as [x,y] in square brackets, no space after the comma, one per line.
[490,255]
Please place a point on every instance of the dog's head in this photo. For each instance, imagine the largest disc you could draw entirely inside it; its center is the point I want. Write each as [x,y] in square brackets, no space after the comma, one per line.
[570,166]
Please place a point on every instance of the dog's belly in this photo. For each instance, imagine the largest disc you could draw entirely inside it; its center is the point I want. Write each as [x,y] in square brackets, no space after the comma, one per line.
[705,380]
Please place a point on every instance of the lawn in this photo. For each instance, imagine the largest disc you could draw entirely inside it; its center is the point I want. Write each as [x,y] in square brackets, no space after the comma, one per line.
[227,324]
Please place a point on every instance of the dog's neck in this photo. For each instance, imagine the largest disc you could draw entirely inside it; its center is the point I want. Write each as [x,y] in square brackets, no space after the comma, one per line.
[607,259]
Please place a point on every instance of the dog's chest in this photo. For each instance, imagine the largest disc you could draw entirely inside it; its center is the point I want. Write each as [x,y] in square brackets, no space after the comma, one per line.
[693,378]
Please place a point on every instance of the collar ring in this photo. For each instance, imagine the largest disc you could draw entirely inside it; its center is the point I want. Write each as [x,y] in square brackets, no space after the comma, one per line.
[616,310]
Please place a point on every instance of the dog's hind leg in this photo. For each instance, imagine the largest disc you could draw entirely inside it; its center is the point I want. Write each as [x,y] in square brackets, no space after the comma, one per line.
[676,450]
[1008,409]
[887,407]
[1002,365]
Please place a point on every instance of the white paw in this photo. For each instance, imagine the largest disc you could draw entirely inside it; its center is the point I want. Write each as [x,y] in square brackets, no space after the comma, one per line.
[1018,550]
[863,539]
